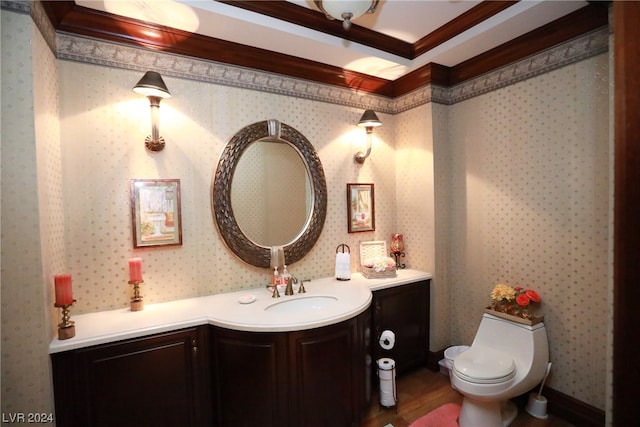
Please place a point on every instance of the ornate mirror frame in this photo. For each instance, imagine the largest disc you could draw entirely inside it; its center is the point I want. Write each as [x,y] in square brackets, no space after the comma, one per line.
[234,238]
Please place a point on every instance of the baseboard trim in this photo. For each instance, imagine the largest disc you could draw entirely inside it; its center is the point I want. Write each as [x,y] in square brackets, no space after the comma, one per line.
[559,404]
[573,410]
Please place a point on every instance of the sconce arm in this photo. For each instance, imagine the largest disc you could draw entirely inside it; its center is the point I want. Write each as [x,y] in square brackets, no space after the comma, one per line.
[154,142]
[360,157]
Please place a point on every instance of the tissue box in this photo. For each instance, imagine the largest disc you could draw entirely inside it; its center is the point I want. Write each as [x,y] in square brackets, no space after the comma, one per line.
[375,263]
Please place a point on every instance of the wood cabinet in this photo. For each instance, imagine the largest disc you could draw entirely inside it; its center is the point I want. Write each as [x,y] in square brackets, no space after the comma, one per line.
[304,378]
[327,375]
[250,378]
[212,376]
[155,381]
[405,311]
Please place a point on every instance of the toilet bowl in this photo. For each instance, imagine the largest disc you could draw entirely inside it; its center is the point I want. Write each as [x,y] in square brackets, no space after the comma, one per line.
[506,359]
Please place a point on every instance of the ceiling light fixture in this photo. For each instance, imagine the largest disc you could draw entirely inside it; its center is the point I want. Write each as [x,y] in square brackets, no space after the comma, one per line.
[346,10]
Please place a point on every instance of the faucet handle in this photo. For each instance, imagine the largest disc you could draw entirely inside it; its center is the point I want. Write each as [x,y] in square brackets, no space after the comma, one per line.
[275,293]
[302,290]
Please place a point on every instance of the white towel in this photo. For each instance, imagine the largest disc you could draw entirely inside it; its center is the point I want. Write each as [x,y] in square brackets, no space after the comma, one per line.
[277,256]
[343,266]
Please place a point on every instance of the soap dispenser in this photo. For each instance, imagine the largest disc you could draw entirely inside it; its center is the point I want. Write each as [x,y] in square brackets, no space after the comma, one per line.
[285,275]
[275,280]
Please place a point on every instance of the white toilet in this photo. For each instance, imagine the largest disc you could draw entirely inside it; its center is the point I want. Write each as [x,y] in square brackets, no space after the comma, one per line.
[505,360]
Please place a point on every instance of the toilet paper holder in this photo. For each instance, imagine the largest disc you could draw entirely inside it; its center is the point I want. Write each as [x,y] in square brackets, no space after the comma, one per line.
[387,340]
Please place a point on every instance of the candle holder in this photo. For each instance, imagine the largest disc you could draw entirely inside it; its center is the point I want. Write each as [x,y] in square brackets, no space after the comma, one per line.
[397,255]
[397,249]
[66,328]
[136,302]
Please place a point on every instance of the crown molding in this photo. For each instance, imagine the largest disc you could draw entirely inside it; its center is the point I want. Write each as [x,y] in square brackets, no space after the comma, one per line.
[67,17]
[432,83]
[89,50]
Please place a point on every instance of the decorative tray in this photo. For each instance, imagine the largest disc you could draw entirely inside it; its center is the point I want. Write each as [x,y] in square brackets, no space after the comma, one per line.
[374,260]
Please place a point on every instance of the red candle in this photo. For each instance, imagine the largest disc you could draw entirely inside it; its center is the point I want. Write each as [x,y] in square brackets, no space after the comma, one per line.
[63,289]
[135,270]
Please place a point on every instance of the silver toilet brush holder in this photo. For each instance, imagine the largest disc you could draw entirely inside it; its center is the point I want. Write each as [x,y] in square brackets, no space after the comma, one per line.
[537,404]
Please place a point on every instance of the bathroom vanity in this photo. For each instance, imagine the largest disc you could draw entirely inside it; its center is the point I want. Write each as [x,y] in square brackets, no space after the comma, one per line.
[296,360]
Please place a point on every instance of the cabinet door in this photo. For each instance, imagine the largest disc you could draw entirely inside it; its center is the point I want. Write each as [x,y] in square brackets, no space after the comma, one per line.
[153,381]
[327,381]
[250,378]
[405,311]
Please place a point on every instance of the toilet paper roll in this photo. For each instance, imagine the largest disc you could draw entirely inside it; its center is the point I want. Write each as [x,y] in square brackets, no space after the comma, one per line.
[387,340]
[387,375]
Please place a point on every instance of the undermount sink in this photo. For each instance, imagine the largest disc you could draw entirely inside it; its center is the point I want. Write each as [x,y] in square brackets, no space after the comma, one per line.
[301,304]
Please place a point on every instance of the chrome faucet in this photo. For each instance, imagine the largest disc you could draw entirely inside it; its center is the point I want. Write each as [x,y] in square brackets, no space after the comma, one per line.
[289,289]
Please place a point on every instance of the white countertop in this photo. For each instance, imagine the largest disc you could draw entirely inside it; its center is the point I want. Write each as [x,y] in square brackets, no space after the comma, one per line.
[225,310]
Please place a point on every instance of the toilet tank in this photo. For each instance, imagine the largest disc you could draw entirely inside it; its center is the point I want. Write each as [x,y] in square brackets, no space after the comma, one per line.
[524,343]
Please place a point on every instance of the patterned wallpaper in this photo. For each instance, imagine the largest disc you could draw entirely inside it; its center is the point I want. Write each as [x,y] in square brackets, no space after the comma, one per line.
[414,190]
[196,122]
[529,189]
[32,238]
[494,187]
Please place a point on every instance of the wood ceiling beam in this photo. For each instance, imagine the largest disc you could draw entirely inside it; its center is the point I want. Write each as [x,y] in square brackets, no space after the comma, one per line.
[316,20]
[582,21]
[462,23]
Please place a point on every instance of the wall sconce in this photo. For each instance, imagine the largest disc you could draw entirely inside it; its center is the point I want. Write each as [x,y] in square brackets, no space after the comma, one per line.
[152,86]
[346,10]
[369,120]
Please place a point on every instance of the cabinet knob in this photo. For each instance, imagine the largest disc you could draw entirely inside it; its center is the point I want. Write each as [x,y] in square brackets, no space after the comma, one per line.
[194,346]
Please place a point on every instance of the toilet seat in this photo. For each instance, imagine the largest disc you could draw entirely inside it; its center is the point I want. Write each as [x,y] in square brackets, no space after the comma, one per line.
[484,365]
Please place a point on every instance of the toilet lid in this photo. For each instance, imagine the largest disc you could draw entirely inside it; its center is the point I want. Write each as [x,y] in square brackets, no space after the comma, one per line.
[484,365]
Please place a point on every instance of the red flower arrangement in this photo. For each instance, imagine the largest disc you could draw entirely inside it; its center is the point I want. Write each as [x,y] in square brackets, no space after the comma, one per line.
[515,301]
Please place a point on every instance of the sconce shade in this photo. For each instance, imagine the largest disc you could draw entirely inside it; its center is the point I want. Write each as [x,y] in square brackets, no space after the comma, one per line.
[369,120]
[346,10]
[151,84]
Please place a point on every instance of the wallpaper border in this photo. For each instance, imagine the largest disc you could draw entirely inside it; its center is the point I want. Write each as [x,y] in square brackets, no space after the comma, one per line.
[578,49]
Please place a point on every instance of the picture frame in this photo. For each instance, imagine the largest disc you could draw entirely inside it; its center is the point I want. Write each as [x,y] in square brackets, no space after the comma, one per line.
[360,208]
[156,212]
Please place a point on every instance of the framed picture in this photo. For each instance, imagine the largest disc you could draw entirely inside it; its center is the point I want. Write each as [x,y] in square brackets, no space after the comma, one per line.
[360,208]
[155,212]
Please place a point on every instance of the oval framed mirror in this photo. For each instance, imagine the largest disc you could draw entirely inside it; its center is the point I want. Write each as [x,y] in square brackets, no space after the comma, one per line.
[244,243]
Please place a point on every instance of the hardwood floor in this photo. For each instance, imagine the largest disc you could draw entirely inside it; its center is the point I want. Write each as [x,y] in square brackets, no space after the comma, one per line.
[422,391]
